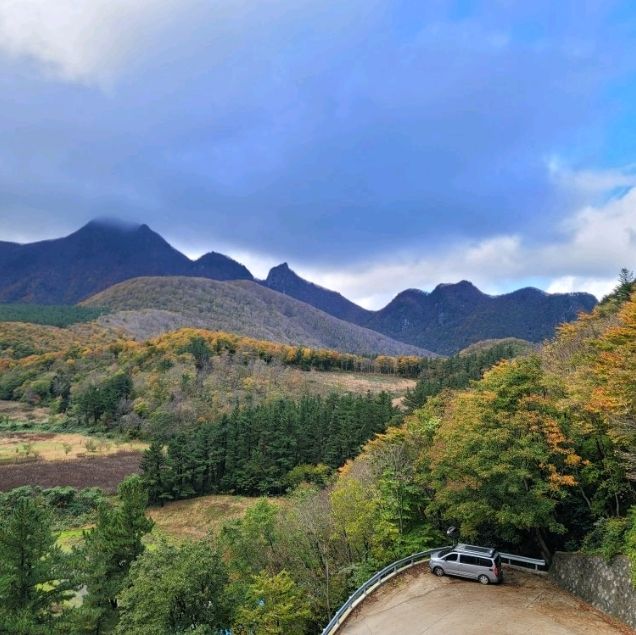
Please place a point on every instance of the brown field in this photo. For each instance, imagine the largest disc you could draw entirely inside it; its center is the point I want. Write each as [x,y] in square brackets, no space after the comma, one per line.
[105,471]
[53,446]
[18,411]
[361,382]
[194,518]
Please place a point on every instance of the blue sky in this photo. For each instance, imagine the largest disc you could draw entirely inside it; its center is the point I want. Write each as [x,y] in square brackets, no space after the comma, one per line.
[372,144]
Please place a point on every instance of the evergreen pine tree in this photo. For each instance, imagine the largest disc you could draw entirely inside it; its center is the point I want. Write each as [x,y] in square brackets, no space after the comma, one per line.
[34,573]
[109,549]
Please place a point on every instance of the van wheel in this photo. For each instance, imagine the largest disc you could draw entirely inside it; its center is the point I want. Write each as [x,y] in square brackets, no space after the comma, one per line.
[438,571]
[483,579]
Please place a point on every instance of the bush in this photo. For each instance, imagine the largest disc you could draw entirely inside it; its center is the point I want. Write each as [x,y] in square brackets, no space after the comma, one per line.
[630,541]
[69,506]
[608,538]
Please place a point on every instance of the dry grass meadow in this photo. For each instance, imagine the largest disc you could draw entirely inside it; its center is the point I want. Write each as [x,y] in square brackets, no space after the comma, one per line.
[53,446]
[196,517]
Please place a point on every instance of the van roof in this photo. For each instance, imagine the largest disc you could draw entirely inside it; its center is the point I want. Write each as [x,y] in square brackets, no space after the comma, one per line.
[484,551]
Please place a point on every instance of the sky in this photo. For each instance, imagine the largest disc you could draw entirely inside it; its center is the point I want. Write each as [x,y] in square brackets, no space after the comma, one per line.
[374,145]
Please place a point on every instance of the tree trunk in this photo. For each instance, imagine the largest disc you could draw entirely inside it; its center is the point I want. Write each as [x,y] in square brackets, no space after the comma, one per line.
[545,551]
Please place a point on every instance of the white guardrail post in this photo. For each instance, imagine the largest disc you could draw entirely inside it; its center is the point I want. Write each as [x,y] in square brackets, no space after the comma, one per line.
[528,564]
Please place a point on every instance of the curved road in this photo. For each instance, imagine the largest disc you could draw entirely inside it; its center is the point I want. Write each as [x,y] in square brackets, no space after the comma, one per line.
[418,603]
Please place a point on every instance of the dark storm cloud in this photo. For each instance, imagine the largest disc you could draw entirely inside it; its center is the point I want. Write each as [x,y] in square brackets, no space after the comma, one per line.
[321,132]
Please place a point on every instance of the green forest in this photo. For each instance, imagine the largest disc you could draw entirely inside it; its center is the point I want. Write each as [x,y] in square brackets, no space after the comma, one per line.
[263,449]
[53,315]
[536,455]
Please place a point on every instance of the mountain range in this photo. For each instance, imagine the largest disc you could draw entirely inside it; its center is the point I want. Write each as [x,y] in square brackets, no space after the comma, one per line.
[103,253]
[100,254]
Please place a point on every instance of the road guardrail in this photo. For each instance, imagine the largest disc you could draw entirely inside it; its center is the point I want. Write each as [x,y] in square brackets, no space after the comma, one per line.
[398,566]
[372,583]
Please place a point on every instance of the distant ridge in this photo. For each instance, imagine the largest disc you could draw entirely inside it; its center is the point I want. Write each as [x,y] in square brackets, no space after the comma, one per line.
[105,252]
[453,316]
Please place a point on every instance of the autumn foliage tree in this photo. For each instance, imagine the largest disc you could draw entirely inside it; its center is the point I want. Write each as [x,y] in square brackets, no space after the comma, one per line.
[501,463]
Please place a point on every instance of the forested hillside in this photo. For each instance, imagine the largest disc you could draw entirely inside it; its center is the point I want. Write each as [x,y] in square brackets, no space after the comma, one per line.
[459,370]
[241,307]
[109,383]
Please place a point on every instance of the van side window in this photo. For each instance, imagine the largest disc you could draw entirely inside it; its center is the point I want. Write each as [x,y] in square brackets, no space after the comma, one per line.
[469,559]
[452,556]
[484,562]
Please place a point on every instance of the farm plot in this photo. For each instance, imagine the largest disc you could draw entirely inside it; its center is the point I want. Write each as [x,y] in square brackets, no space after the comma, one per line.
[49,459]
[105,472]
[53,446]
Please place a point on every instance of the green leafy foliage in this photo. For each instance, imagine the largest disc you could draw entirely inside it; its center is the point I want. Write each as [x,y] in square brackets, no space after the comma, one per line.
[176,589]
[458,371]
[273,605]
[67,506]
[109,550]
[102,401]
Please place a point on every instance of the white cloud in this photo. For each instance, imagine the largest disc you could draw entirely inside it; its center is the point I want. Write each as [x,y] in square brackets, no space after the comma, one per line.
[595,243]
[596,286]
[85,41]
[586,182]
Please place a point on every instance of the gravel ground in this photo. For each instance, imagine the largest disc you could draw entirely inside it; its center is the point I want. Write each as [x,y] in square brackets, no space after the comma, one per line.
[417,603]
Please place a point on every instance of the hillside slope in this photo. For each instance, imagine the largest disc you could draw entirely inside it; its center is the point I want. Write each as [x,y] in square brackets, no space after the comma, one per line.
[241,307]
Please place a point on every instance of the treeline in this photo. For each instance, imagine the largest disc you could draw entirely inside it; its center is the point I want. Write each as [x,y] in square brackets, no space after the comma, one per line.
[458,371]
[51,315]
[203,345]
[262,449]
[140,388]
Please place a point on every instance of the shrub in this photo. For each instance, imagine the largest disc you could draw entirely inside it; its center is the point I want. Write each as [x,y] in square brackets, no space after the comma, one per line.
[607,538]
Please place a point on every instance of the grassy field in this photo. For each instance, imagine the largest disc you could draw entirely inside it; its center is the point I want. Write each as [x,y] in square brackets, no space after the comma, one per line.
[180,520]
[49,459]
[70,538]
[361,382]
[196,517]
[52,446]
[17,411]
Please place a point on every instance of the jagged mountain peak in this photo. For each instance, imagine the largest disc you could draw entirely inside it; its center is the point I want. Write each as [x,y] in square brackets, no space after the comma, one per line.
[463,287]
[284,280]
[110,223]
[103,252]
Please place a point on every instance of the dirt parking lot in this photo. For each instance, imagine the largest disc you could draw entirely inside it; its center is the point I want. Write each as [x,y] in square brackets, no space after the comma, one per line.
[417,603]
